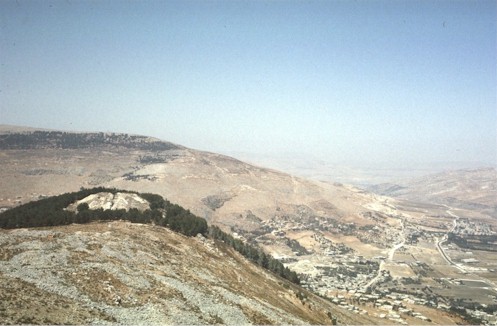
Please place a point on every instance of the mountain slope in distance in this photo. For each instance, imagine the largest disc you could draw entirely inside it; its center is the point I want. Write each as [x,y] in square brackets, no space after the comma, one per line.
[466,189]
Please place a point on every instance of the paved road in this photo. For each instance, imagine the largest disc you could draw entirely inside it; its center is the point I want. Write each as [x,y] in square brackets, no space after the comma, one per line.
[444,239]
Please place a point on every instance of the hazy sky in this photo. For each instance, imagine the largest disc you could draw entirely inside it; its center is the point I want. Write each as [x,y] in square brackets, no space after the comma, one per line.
[361,81]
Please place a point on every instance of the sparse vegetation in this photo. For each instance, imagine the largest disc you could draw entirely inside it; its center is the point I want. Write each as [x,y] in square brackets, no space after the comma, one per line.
[301,296]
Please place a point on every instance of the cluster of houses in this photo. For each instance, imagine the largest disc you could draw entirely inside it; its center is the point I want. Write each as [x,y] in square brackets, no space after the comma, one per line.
[467,227]
[345,277]
[393,307]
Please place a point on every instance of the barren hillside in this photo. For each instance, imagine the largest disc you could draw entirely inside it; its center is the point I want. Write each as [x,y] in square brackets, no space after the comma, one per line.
[140,274]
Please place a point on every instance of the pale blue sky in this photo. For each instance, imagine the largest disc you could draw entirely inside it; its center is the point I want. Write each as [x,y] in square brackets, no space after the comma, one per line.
[346,81]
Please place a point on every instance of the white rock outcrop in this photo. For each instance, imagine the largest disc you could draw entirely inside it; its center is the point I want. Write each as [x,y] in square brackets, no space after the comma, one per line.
[107,200]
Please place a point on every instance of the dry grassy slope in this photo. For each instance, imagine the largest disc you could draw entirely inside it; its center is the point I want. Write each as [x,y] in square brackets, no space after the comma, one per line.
[237,188]
[136,274]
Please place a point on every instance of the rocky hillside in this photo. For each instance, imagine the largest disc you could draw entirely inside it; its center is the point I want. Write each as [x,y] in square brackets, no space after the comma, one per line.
[118,272]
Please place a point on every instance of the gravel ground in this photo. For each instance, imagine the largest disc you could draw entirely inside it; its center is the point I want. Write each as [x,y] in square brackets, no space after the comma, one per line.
[134,274]
[126,273]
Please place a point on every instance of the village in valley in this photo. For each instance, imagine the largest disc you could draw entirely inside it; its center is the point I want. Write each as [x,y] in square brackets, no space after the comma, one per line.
[401,269]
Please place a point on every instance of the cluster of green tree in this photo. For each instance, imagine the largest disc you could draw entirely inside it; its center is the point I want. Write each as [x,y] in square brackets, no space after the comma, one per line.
[148,159]
[474,242]
[180,220]
[464,304]
[461,311]
[135,177]
[254,254]
[51,212]
[45,212]
[67,140]
[296,247]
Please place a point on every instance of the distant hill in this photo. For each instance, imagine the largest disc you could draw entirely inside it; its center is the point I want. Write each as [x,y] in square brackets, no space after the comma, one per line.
[467,189]
[39,139]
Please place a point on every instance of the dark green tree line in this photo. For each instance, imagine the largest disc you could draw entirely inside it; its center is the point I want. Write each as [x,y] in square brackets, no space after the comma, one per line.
[254,254]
